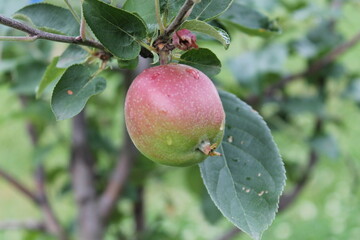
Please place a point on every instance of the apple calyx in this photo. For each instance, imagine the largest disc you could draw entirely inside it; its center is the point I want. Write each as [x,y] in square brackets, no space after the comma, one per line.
[208,149]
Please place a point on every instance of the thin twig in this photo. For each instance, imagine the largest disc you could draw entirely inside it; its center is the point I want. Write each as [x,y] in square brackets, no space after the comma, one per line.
[18,39]
[48,36]
[139,212]
[313,68]
[184,12]
[52,224]
[29,225]
[76,16]
[118,180]
[158,17]
[20,187]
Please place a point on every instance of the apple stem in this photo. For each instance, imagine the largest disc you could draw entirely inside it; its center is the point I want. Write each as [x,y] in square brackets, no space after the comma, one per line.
[164,57]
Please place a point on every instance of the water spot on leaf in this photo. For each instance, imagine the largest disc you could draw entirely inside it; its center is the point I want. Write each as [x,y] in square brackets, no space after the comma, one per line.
[230,139]
[247,190]
[261,193]
[259,174]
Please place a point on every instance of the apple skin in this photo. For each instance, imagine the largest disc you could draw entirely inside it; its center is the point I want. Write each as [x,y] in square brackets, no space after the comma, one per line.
[172,113]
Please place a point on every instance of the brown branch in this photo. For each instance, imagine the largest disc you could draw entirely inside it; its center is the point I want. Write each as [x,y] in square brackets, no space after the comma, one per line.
[30,225]
[82,176]
[35,34]
[184,12]
[125,161]
[51,223]
[20,187]
[317,65]
[118,179]
[312,69]
[139,213]
[48,36]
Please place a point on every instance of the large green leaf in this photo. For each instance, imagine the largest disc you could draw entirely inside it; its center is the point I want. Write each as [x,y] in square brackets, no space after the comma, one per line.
[203,27]
[51,74]
[145,9]
[246,182]
[249,21]
[73,90]
[118,30]
[202,59]
[50,18]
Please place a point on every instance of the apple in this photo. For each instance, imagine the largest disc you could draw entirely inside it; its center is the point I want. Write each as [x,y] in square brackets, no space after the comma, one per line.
[174,115]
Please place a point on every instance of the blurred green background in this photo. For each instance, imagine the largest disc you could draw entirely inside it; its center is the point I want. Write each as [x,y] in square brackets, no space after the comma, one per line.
[176,208]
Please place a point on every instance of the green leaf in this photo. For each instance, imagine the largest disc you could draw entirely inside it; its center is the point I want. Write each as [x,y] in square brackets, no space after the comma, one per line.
[202,59]
[246,182]
[210,9]
[209,210]
[352,91]
[128,64]
[202,27]
[74,54]
[73,90]
[27,77]
[326,144]
[145,9]
[118,30]
[50,18]
[249,21]
[51,74]
[205,10]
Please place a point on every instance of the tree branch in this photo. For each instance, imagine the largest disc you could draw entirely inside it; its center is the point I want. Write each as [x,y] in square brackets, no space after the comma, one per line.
[38,34]
[184,12]
[51,222]
[139,213]
[30,225]
[313,68]
[317,65]
[128,153]
[118,179]
[82,175]
[19,186]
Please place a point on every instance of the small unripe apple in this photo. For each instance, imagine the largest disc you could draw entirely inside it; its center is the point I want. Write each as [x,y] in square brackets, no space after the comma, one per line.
[174,115]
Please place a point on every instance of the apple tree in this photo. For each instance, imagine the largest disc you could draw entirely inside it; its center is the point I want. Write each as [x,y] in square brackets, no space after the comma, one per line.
[114,84]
